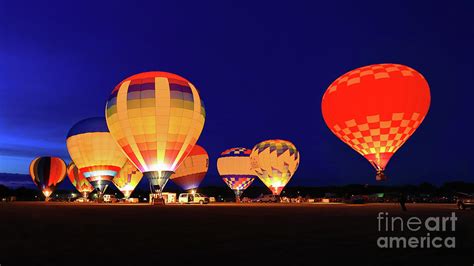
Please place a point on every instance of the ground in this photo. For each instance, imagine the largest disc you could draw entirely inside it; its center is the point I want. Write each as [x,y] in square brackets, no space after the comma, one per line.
[217,234]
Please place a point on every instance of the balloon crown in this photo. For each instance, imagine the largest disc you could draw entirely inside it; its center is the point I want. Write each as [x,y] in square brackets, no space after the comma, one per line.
[88,125]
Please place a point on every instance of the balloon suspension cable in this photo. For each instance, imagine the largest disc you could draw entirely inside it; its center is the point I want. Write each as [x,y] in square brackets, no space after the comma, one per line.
[380,176]
[238,193]
[100,196]
[157,181]
[102,192]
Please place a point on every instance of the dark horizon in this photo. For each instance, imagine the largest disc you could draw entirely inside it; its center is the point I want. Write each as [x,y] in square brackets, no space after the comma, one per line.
[261,70]
[15,181]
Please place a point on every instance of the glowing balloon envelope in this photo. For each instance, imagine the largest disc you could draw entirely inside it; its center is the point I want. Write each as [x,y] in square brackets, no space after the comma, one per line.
[156,118]
[375,109]
[192,170]
[275,162]
[47,173]
[78,180]
[95,152]
[234,167]
[127,179]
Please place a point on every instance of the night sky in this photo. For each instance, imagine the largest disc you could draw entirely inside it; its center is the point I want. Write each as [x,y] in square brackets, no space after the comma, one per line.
[261,69]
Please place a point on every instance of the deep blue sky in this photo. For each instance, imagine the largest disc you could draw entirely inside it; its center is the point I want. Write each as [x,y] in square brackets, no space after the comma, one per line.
[261,68]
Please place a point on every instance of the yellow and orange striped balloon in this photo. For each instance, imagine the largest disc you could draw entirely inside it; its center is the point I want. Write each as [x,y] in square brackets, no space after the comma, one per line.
[156,118]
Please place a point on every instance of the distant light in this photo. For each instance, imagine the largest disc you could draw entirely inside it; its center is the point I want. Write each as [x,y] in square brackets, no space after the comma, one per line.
[47,193]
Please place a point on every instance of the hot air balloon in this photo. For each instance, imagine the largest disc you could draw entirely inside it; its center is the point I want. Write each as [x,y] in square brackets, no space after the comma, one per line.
[47,173]
[275,162]
[78,180]
[192,170]
[156,118]
[375,109]
[95,152]
[127,179]
[234,167]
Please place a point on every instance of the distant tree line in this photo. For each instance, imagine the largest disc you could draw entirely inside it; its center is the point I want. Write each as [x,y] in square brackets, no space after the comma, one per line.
[448,189]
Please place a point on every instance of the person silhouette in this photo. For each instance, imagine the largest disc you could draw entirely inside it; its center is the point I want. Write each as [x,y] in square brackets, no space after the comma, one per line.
[403,199]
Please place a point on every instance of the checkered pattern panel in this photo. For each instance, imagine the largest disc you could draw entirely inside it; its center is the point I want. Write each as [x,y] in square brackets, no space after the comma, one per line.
[379,71]
[238,182]
[375,135]
[277,146]
[236,152]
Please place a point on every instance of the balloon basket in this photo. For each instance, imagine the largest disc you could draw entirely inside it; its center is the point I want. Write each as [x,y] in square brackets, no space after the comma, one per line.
[380,176]
[157,199]
[100,197]
[85,195]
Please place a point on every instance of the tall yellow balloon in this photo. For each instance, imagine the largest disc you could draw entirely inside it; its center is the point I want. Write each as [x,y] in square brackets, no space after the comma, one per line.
[127,179]
[275,162]
[156,118]
[95,152]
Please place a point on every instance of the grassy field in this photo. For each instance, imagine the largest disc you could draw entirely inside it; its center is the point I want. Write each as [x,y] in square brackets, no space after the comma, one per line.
[217,234]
